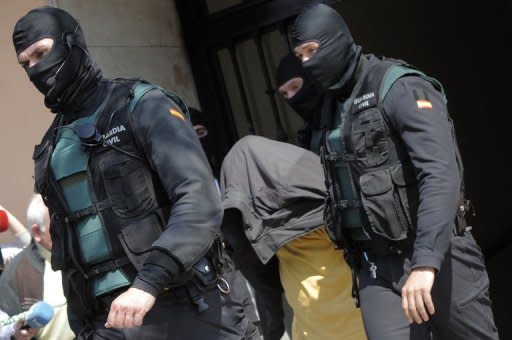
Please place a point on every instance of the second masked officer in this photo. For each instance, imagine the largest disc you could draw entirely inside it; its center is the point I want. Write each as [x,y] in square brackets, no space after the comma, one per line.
[396,201]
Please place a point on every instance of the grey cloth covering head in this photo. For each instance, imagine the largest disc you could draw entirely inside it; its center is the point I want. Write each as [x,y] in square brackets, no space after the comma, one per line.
[278,188]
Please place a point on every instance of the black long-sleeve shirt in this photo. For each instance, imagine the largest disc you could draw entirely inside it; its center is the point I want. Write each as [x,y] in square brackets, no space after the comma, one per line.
[175,154]
[427,135]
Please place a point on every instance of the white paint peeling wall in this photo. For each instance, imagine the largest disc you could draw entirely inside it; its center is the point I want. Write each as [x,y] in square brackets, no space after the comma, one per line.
[136,38]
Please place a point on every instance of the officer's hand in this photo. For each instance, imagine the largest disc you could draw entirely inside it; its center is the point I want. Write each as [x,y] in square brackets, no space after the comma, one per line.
[416,295]
[24,333]
[128,309]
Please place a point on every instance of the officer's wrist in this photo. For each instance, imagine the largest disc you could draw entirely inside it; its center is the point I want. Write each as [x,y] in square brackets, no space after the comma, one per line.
[147,287]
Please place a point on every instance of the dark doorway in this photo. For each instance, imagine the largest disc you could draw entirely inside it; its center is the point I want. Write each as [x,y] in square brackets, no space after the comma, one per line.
[461,44]
[234,48]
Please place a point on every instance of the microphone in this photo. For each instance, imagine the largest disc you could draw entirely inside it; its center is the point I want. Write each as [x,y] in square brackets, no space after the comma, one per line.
[36,317]
[88,134]
[4,221]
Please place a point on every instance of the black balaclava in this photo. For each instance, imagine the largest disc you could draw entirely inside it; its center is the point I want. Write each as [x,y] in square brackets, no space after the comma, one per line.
[337,57]
[67,75]
[197,117]
[308,100]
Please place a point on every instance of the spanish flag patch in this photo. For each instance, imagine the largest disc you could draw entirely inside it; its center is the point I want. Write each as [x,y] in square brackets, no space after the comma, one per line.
[424,104]
[176,114]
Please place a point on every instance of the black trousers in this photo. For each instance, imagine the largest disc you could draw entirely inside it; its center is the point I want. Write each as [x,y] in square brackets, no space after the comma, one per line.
[175,317]
[264,278]
[460,295]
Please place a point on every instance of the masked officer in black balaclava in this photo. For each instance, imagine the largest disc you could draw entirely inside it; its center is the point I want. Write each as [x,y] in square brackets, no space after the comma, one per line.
[396,195]
[200,124]
[134,209]
[302,94]
[67,76]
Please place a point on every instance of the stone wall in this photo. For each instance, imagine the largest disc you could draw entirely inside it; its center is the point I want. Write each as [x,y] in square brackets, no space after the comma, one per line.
[133,38]
[23,117]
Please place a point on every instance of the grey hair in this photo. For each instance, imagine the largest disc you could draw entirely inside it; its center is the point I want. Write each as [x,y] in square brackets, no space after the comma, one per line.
[36,212]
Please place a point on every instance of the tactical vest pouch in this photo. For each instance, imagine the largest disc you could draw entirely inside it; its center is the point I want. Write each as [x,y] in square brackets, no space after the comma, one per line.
[369,139]
[128,185]
[137,244]
[386,197]
[205,274]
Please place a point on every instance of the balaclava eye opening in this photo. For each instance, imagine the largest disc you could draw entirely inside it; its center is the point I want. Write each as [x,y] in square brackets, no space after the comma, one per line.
[308,99]
[67,71]
[335,61]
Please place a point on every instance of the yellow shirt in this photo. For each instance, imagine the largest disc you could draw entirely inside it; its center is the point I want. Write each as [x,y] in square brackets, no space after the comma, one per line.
[318,286]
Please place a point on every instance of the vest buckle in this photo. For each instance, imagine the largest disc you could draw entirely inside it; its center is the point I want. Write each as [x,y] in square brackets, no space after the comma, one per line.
[107,267]
[333,157]
[348,204]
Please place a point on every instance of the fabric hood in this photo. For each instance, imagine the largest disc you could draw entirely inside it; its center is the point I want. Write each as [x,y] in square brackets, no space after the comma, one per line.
[278,188]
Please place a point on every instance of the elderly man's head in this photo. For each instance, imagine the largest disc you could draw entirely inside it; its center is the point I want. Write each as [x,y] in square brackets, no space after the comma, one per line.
[38,220]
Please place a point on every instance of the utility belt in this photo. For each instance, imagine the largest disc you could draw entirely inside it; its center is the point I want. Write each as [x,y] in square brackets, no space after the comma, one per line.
[381,247]
[204,278]
[358,251]
[206,275]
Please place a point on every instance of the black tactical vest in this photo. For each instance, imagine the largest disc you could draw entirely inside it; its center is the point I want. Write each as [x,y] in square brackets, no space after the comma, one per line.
[125,192]
[381,172]
[129,199]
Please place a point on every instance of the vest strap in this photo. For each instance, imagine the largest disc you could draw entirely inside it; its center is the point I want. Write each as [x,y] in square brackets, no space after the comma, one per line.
[141,88]
[335,157]
[107,267]
[92,210]
[348,204]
